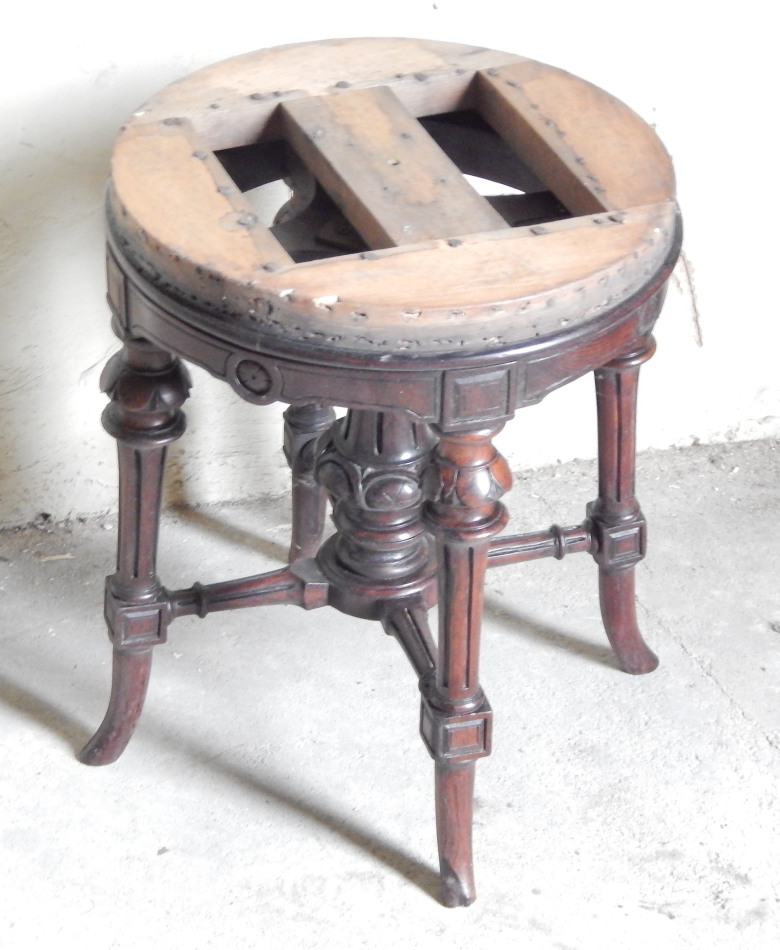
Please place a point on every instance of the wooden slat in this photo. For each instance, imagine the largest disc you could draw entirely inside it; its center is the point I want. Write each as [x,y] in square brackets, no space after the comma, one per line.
[394,184]
[574,260]
[590,149]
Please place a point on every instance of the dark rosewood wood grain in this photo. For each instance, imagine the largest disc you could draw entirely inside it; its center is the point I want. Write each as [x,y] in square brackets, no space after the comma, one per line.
[147,387]
[380,558]
[617,521]
[302,426]
[384,468]
[388,287]
[409,625]
[464,482]
[129,681]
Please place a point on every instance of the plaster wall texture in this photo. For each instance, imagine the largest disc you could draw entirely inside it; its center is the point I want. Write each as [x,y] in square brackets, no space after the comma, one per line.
[72,78]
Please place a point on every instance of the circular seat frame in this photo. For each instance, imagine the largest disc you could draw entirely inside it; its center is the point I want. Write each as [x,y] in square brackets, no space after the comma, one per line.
[389,286]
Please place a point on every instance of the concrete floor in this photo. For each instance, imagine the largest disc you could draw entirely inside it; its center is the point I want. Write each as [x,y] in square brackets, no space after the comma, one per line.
[276,793]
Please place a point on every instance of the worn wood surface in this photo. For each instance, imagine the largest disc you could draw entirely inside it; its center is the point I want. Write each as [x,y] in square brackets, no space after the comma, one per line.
[394,184]
[441,255]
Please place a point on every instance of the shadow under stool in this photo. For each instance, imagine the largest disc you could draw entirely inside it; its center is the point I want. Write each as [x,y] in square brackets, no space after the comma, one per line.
[387,284]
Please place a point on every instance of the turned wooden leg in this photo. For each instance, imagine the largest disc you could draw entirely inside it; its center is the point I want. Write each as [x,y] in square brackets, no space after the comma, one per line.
[302,426]
[463,484]
[454,821]
[129,681]
[146,387]
[618,524]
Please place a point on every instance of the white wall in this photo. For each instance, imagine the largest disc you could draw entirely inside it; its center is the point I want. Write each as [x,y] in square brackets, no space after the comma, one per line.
[72,76]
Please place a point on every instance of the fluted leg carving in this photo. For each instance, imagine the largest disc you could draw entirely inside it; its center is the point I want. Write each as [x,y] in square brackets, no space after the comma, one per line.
[463,484]
[302,426]
[147,387]
[617,522]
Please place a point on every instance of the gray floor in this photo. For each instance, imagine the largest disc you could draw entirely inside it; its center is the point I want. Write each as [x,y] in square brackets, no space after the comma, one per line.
[276,793]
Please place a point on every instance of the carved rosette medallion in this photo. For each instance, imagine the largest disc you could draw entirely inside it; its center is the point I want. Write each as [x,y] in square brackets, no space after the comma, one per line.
[255,380]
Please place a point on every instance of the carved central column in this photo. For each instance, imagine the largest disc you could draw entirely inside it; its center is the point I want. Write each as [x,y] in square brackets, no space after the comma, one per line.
[371,464]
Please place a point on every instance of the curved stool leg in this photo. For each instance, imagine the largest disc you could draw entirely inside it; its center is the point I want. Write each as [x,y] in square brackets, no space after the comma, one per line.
[616,518]
[464,483]
[147,387]
[129,681]
[302,426]
[454,821]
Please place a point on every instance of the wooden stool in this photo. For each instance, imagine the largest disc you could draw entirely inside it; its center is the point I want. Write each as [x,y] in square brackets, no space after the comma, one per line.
[388,285]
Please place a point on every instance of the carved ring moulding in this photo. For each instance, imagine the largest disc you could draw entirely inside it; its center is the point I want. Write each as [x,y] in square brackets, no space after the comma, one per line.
[455,397]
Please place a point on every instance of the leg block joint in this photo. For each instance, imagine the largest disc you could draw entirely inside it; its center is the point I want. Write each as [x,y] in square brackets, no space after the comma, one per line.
[136,625]
[456,737]
[619,546]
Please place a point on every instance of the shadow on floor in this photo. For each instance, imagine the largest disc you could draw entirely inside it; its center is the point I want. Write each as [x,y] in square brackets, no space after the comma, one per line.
[530,629]
[35,707]
[75,734]
[417,873]
[222,530]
